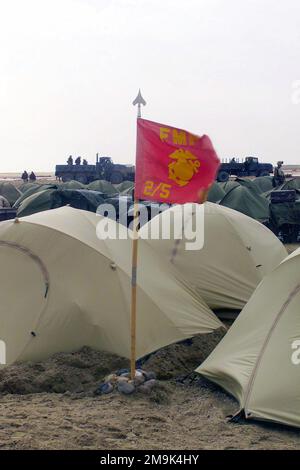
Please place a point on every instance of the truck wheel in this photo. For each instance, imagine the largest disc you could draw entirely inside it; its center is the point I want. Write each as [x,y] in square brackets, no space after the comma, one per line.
[116,177]
[264,173]
[223,176]
[66,178]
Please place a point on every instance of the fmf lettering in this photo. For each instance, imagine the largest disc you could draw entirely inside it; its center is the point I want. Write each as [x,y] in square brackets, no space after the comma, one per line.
[177,137]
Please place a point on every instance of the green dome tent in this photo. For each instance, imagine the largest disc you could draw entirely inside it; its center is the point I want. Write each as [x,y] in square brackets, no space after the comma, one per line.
[72,185]
[103,186]
[247,183]
[37,202]
[124,186]
[216,193]
[128,192]
[25,186]
[291,184]
[9,191]
[4,204]
[243,200]
[263,183]
[54,198]
[33,190]
[228,185]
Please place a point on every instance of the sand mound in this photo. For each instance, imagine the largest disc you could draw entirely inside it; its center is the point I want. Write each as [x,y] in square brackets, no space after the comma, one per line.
[182,358]
[82,371]
[64,372]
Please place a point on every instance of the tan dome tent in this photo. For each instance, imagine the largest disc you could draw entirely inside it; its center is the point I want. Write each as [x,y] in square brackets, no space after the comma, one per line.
[237,253]
[61,288]
[258,361]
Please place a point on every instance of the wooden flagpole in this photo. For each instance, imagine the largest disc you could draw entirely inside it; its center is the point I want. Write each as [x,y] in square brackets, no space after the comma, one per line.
[203,193]
[138,101]
[134,287]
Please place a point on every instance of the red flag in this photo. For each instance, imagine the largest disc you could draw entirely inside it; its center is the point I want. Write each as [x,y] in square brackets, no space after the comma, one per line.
[172,165]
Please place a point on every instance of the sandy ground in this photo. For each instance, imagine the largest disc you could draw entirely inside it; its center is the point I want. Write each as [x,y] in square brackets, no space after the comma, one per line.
[183,412]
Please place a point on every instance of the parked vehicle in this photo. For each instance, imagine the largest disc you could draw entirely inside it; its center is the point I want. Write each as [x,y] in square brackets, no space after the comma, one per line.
[104,169]
[249,167]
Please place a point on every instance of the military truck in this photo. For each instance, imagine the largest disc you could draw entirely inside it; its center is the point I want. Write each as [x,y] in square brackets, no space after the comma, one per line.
[249,167]
[104,169]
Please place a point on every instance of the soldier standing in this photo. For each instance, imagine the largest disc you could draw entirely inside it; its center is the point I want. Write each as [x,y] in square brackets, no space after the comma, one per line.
[70,160]
[24,176]
[78,161]
[32,176]
[279,176]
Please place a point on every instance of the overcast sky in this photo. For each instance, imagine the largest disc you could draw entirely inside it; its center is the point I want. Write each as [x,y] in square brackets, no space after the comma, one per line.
[70,69]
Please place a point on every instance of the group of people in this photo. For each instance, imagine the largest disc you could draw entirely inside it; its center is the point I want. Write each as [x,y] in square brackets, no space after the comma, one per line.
[70,161]
[25,177]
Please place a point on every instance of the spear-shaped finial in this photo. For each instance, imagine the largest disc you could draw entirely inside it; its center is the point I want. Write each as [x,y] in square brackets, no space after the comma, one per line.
[139,101]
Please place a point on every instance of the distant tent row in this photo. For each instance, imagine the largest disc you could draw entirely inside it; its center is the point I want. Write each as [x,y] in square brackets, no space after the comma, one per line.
[250,197]
[233,194]
[97,185]
[40,197]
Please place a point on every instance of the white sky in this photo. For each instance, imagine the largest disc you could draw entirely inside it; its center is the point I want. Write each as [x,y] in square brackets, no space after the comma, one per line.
[70,69]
